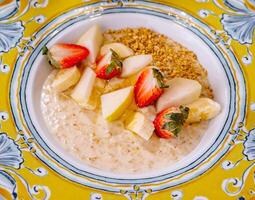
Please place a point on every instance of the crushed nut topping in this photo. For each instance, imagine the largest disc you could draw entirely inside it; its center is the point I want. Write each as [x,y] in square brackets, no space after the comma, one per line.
[171,57]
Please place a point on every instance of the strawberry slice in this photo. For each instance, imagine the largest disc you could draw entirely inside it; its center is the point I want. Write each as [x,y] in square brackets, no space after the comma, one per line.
[108,65]
[65,55]
[169,122]
[148,87]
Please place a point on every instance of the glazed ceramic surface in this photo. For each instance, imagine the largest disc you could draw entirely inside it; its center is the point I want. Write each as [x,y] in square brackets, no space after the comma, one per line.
[34,166]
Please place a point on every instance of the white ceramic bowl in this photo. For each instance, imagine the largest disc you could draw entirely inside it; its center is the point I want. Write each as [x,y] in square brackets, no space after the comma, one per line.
[218,80]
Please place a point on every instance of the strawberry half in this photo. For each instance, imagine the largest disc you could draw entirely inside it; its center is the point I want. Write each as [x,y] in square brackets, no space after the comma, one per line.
[108,65]
[169,122]
[65,55]
[148,87]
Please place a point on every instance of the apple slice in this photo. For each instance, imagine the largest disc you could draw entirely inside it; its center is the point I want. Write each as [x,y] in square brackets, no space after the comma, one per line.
[83,90]
[138,124]
[122,50]
[202,109]
[92,39]
[115,103]
[65,78]
[134,64]
[181,91]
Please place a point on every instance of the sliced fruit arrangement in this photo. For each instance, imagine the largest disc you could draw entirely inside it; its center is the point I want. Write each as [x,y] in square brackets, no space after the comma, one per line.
[65,55]
[149,87]
[139,124]
[126,89]
[65,78]
[115,103]
[83,90]
[203,109]
[169,122]
[122,50]
[92,39]
[109,65]
[134,64]
[181,91]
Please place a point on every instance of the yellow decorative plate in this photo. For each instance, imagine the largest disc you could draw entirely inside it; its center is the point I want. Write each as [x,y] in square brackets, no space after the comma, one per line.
[221,32]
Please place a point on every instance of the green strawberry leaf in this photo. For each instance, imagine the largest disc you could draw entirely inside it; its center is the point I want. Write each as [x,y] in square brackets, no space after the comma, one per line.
[184,111]
[114,64]
[110,68]
[178,117]
[176,120]
[44,50]
[172,127]
[159,77]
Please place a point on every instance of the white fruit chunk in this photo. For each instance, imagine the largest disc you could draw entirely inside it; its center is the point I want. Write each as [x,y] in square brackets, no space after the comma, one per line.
[65,78]
[115,103]
[122,50]
[180,91]
[202,109]
[92,39]
[83,90]
[138,124]
[134,64]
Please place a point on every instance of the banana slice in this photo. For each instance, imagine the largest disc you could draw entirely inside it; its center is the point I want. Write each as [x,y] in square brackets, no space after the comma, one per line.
[203,109]
[65,78]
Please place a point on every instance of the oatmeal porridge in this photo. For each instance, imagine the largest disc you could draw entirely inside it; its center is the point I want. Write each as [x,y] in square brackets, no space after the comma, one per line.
[147,108]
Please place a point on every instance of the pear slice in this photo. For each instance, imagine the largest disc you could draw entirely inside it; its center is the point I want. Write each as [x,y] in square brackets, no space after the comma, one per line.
[66,78]
[92,39]
[134,64]
[122,50]
[202,109]
[83,90]
[139,124]
[181,91]
[115,103]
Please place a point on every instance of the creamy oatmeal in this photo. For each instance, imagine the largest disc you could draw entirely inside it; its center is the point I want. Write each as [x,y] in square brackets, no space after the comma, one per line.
[109,146]
[120,116]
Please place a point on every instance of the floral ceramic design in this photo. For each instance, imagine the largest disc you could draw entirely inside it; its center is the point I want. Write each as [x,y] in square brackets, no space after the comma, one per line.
[10,32]
[240,25]
[249,146]
[26,171]
[10,157]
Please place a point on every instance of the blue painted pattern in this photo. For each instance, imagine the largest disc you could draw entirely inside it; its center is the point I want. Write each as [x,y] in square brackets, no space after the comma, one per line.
[240,26]
[9,10]
[10,154]
[8,182]
[249,145]
[10,35]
